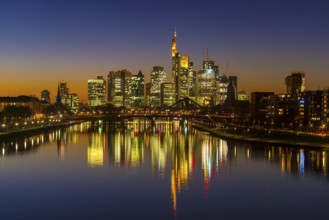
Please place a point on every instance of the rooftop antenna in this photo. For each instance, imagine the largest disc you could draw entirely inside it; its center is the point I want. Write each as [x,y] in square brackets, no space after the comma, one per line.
[206,55]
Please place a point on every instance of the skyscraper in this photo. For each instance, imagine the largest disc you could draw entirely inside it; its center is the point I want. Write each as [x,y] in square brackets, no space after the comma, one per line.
[96,92]
[232,89]
[158,76]
[58,98]
[207,84]
[167,94]
[180,71]
[222,83]
[210,64]
[64,90]
[147,93]
[119,88]
[137,90]
[295,83]
[206,87]
[45,96]
[192,82]
[72,101]
[184,69]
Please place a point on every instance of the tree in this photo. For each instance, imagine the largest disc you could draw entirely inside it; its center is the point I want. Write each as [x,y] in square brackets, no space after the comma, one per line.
[50,110]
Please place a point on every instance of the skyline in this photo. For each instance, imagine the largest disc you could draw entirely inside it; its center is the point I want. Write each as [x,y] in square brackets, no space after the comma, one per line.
[43,43]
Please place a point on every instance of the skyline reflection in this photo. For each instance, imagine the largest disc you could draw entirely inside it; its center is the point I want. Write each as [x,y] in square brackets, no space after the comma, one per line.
[168,143]
[172,152]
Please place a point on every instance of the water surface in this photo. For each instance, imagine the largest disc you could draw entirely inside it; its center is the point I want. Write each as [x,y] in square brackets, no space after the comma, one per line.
[165,170]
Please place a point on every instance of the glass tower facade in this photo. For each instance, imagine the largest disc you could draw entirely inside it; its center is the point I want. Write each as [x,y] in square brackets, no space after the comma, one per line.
[96,92]
[137,90]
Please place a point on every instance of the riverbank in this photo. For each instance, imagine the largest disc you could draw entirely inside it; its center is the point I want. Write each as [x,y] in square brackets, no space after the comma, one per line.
[269,137]
[37,129]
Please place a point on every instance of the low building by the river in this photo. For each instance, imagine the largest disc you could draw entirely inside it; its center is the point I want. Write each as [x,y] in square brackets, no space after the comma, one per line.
[34,103]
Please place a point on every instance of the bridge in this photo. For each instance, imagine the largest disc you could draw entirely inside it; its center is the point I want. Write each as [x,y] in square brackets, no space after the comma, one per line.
[182,109]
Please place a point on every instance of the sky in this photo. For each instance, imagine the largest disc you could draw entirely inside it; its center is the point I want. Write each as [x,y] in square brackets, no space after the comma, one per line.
[261,42]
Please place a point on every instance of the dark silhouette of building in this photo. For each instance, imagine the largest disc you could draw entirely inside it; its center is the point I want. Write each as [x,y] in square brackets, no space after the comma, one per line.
[45,96]
[295,83]
[58,99]
[260,102]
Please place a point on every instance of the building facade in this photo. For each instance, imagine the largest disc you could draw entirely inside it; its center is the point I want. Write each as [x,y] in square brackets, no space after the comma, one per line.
[63,90]
[28,101]
[147,93]
[180,71]
[119,88]
[295,83]
[260,103]
[167,94]
[45,96]
[206,87]
[222,83]
[96,92]
[72,101]
[192,82]
[137,90]
[242,95]
[158,76]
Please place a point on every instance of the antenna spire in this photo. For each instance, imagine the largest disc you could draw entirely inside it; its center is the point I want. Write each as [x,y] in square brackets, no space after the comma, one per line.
[206,55]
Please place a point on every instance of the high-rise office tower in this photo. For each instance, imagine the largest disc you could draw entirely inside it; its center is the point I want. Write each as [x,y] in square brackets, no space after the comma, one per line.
[206,87]
[184,77]
[295,83]
[45,96]
[58,98]
[222,83]
[64,90]
[119,88]
[148,93]
[158,76]
[210,64]
[97,91]
[192,82]
[137,90]
[167,94]
[180,71]
[72,101]
[207,84]
[233,88]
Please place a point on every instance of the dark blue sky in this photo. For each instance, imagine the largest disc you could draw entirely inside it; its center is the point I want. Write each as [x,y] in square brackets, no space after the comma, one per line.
[263,41]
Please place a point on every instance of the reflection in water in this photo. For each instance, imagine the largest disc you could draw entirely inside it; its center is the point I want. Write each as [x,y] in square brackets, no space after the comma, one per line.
[61,148]
[182,161]
[301,160]
[168,145]
[62,137]
[173,151]
[125,146]
[324,163]
[96,146]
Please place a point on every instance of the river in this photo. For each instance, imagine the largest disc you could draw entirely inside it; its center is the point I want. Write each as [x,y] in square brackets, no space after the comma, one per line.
[161,170]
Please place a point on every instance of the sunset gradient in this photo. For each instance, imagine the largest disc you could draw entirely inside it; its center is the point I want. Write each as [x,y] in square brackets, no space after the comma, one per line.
[43,42]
